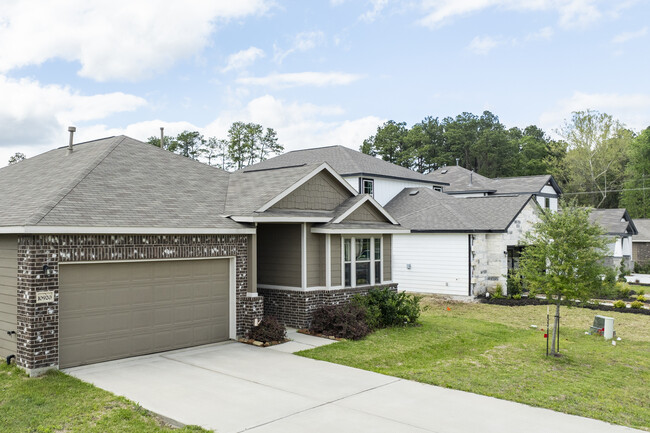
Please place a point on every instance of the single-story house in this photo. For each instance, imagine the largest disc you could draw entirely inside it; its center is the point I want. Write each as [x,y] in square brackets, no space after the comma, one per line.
[641,242]
[114,248]
[619,226]
[366,174]
[458,247]
[465,183]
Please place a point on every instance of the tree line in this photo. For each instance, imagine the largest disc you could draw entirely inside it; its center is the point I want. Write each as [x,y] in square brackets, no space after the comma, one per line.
[245,144]
[597,160]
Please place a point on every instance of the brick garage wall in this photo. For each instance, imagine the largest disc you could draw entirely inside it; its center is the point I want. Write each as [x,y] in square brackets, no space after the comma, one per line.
[641,252]
[38,324]
[295,307]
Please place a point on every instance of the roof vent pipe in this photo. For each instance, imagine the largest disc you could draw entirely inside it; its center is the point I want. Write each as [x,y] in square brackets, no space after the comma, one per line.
[162,137]
[470,177]
[71,130]
[457,159]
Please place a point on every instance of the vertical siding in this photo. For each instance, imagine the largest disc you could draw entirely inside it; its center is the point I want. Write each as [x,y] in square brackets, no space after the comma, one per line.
[388,272]
[439,263]
[315,260]
[8,294]
[336,259]
[278,254]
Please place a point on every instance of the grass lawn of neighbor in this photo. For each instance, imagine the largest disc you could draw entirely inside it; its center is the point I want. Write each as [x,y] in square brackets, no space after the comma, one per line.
[60,403]
[492,350]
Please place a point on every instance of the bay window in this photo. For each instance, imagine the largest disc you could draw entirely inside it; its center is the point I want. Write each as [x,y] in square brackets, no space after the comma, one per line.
[362,261]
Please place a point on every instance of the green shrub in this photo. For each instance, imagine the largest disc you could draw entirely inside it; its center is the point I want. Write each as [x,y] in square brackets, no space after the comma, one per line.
[623,290]
[608,287]
[496,292]
[636,304]
[514,285]
[342,321]
[385,307]
[517,296]
[641,292]
[268,330]
[622,269]
[640,298]
[642,268]
[619,304]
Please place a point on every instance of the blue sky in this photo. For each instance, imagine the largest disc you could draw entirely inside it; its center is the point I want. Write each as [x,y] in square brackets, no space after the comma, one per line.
[319,72]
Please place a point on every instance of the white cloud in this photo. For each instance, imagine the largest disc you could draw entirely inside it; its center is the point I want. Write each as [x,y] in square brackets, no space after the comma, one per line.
[372,14]
[571,13]
[483,44]
[318,79]
[545,33]
[243,59]
[120,39]
[626,36]
[631,109]
[302,42]
[35,117]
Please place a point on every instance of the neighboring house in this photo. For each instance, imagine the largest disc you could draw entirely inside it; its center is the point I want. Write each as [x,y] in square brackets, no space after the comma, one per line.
[458,247]
[465,183]
[641,242]
[619,226]
[366,174]
[116,248]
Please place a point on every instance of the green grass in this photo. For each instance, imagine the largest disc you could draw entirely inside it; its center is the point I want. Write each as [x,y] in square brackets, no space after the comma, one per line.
[492,350]
[57,402]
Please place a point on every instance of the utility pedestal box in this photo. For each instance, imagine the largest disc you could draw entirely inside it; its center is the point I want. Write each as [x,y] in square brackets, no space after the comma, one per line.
[604,325]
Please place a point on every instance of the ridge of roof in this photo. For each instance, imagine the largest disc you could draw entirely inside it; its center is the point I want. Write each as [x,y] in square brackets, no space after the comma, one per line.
[64,191]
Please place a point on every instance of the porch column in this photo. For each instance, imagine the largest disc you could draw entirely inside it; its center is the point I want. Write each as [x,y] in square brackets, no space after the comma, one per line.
[328,261]
[303,255]
[252,264]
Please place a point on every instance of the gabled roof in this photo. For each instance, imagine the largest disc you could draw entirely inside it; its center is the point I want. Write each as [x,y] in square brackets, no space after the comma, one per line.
[346,162]
[614,221]
[459,182]
[426,210]
[114,185]
[643,229]
[462,180]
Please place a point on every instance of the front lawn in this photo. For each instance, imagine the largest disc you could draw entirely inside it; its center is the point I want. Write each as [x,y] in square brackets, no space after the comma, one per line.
[60,403]
[492,350]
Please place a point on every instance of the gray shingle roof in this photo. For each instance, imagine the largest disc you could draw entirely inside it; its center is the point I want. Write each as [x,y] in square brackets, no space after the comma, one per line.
[114,182]
[643,227]
[249,189]
[346,162]
[459,181]
[614,221]
[423,209]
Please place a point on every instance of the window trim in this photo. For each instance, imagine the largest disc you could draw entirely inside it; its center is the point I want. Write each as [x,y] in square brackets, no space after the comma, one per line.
[362,189]
[372,260]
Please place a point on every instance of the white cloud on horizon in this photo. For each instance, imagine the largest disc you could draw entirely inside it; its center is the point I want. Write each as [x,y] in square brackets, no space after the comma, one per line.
[296,79]
[631,109]
[302,42]
[483,44]
[572,13]
[243,59]
[372,14]
[627,36]
[142,38]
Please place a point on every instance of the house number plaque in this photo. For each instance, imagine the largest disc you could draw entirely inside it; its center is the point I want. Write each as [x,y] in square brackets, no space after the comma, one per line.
[44,297]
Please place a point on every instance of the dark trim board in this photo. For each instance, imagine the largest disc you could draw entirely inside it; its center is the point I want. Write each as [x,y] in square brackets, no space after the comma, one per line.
[362,174]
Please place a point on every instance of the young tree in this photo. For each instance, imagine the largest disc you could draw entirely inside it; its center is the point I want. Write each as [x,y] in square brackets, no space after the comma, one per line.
[636,192]
[190,144]
[17,157]
[389,143]
[563,258]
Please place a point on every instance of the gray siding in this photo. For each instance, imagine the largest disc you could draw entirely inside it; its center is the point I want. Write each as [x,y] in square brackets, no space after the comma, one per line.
[315,259]
[336,259]
[8,295]
[388,275]
[321,192]
[278,254]
[366,212]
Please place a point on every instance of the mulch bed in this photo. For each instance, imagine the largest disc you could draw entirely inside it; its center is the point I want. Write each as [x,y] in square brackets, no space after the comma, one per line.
[537,301]
[261,343]
[329,337]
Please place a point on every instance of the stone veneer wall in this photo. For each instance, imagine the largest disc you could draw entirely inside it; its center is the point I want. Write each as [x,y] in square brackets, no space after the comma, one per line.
[295,307]
[489,263]
[38,324]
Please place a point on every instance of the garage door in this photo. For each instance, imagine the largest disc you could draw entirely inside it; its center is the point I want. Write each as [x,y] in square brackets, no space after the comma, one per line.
[116,310]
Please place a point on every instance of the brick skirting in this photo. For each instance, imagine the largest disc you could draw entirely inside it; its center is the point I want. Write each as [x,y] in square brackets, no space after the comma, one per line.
[295,307]
[38,324]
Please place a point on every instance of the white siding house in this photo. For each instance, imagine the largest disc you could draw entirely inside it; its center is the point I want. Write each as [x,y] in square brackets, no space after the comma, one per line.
[432,263]
[384,189]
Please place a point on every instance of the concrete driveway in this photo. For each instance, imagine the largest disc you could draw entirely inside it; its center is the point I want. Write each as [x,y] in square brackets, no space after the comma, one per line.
[234,387]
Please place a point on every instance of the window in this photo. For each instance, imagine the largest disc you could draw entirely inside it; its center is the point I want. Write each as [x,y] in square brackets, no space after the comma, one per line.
[362,261]
[367,186]
[547,202]
[437,188]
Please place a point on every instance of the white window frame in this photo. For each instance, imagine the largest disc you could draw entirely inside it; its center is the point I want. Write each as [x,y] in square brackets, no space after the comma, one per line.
[353,262]
[362,185]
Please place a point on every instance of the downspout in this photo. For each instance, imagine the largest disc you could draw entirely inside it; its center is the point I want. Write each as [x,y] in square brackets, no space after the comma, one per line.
[469,265]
